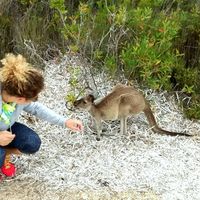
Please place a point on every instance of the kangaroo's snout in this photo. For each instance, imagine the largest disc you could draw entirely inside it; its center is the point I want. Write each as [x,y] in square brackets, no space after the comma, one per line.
[77,103]
[84,102]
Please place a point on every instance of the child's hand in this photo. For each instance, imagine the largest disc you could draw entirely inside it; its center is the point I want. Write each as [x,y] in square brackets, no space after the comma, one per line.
[74,125]
[6,137]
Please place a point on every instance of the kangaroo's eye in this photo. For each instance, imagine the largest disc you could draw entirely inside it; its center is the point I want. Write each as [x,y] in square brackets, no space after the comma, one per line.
[84,102]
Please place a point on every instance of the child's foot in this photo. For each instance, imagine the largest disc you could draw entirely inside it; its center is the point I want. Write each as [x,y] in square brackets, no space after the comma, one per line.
[8,169]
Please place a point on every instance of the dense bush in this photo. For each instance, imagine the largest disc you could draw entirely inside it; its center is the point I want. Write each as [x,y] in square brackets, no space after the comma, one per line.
[27,27]
[155,42]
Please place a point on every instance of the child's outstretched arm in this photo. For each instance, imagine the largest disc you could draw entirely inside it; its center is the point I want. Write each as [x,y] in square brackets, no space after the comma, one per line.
[44,113]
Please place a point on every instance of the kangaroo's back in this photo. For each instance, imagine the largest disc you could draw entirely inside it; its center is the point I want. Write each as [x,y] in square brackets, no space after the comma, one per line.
[115,95]
[120,102]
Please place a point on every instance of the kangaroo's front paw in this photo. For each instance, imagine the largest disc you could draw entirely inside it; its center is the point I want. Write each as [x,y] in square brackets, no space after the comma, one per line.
[104,130]
[98,138]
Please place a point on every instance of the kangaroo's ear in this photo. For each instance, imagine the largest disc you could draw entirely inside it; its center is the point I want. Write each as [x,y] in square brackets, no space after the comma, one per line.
[91,98]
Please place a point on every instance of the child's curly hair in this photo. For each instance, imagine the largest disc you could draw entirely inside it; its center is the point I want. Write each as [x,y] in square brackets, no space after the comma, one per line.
[19,78]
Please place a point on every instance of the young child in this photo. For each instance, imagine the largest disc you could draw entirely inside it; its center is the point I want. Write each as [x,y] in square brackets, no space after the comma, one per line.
[20,85]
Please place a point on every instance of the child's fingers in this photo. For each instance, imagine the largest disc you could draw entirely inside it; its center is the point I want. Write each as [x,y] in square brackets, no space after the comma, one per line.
[78,127]
[74,125]
[12,136]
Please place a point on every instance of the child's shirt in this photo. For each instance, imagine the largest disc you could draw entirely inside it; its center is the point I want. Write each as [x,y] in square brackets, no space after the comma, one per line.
[34,108]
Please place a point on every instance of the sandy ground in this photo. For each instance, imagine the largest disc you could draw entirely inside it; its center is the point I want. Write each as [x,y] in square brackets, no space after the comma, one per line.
[32,191]
[75,166]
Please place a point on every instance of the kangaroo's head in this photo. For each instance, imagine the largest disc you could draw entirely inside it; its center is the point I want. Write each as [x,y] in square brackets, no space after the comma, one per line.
[85,102]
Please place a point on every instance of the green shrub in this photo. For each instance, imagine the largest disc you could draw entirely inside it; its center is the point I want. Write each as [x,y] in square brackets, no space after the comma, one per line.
[146,39]
[31,22]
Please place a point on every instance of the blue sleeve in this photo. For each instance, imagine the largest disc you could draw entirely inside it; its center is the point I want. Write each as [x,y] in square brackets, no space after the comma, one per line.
[44,113]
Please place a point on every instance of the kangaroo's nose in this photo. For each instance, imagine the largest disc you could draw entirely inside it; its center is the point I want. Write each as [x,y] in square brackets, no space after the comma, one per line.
[75,103]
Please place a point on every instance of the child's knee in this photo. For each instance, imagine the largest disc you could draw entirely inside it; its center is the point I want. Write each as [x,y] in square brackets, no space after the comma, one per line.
[32,144]
[2,156]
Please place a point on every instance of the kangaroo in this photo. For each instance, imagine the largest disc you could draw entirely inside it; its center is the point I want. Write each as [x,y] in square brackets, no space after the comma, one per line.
[120,103]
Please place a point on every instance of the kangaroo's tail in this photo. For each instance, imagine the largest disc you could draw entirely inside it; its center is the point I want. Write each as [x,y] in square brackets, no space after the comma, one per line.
[151,119]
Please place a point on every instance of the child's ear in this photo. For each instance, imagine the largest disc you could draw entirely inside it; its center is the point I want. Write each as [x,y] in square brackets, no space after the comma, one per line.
[91,98]
[21,98]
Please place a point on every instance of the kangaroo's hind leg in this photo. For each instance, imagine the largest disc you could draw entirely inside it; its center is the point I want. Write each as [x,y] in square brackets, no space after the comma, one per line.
[123,125]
